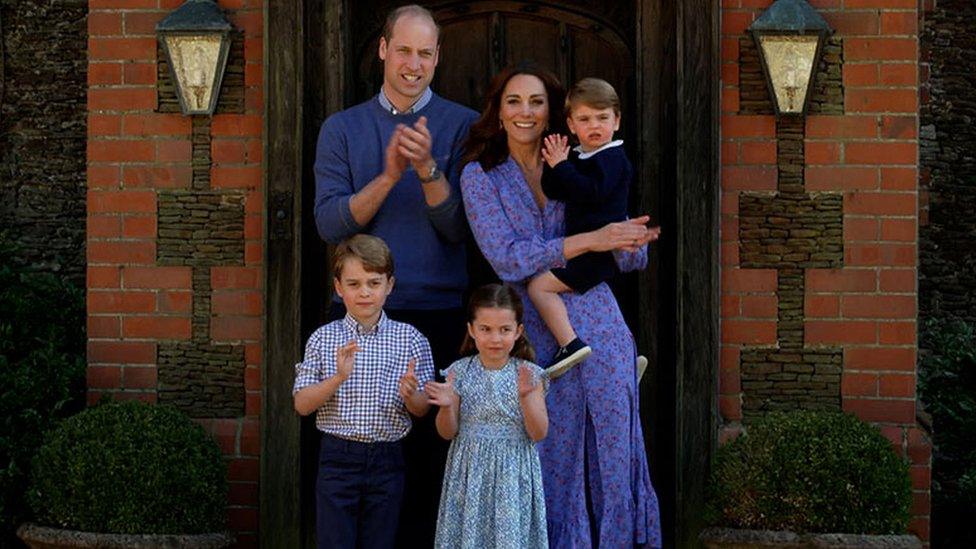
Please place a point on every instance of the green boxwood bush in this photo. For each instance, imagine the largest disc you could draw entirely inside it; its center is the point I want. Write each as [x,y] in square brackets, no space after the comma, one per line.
[42,371]
[947,387]
[810,471]
[130,468]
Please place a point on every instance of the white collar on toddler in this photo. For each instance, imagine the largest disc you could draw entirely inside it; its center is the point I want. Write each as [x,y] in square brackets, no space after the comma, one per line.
[585,155]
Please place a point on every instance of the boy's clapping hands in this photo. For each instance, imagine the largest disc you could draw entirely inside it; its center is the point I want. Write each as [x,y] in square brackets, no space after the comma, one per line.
[345,359]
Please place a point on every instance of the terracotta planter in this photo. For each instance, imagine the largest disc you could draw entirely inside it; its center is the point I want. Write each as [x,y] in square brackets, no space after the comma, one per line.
[43,537]
[729,538]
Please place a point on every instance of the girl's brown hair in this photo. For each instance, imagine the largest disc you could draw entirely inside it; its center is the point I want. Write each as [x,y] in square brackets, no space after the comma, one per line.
[498,296]
[487,142]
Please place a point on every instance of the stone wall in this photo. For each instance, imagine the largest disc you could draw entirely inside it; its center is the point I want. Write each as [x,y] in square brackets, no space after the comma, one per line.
[947,279]
[43,70]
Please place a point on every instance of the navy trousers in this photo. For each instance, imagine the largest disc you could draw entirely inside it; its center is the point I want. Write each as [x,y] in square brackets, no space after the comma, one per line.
[358,493]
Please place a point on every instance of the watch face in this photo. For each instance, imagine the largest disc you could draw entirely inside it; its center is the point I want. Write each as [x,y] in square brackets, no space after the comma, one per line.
[433,174]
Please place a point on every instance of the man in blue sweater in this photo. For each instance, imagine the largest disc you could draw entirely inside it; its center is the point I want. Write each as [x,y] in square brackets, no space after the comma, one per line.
[389,167]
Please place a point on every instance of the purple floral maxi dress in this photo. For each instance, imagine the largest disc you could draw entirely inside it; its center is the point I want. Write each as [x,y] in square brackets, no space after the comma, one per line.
[595,442]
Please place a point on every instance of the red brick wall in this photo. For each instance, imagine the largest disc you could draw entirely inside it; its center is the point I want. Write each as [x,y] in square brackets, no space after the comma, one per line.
[870,155]
[133,153]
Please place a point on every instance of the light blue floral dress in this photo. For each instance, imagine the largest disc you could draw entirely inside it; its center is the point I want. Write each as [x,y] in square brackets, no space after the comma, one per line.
[492,494]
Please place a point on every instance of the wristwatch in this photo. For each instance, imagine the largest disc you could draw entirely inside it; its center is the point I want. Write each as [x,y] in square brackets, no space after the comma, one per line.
[433,174]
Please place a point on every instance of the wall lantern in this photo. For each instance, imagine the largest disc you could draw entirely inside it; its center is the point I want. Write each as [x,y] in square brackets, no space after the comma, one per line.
[196,39]
[790,36]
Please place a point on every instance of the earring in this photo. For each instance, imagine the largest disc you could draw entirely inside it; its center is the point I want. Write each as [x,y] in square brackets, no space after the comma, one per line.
[501,126]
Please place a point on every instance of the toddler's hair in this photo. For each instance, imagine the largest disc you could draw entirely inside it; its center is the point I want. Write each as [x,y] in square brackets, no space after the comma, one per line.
[594,93]
[498,296]
[371,250]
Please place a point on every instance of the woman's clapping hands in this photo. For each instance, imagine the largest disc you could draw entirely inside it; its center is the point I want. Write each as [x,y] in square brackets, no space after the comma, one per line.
[629,235]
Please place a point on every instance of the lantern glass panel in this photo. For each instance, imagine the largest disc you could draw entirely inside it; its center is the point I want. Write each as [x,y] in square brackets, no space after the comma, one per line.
[789,60]
[195,62]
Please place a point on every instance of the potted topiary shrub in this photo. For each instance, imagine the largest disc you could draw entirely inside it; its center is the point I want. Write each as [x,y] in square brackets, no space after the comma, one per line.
[809,479]
[127,474]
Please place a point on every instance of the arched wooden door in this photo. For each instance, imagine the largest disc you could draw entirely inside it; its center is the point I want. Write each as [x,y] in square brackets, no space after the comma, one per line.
[663,58]
[480,38]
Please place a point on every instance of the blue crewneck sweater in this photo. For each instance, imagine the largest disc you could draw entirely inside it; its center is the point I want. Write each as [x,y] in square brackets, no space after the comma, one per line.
[427,243]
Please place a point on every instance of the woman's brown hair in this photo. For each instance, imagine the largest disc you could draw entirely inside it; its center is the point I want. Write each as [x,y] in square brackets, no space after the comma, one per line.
[487,142]
[498,296]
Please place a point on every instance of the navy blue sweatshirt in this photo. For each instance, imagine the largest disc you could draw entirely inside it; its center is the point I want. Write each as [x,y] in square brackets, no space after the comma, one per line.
[427,243]
[593,187]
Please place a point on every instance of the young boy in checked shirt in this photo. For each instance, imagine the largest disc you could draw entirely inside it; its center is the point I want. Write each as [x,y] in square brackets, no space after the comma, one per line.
[362,374]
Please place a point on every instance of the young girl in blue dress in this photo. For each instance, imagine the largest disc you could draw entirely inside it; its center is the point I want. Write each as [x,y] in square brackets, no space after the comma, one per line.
[493,409]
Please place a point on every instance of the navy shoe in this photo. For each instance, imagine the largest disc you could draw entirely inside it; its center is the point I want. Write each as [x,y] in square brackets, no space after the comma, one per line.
[567,357]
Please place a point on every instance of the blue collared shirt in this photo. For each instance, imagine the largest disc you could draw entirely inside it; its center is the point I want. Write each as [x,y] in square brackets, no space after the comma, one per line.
[367,407]
[419,104]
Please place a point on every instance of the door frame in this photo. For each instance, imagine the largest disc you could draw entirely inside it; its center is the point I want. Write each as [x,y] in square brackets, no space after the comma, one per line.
[678,85]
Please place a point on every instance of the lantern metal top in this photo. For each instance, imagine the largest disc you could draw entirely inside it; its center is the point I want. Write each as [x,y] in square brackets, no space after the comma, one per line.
[791,16]
[195,16]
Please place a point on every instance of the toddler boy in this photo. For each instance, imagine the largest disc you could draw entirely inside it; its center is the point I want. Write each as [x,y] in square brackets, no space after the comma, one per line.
[592,180]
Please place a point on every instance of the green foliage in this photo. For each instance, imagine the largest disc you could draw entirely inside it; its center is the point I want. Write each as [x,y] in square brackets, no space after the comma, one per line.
[809,471]
[42,370]
[947,386]
[130,468]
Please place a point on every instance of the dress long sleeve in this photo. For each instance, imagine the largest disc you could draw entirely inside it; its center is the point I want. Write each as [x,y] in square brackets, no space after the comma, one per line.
[631,261]
[514,255]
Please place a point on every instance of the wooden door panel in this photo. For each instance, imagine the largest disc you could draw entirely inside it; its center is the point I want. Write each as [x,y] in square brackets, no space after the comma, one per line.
[464,61]
[531,38]
[595,57]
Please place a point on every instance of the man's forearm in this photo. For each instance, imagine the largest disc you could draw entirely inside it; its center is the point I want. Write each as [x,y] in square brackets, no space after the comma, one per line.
[365,203]
[436,191]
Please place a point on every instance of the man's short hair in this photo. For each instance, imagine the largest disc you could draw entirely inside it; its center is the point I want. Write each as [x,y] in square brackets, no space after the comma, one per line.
[594,93]
[412,10]
[370,250]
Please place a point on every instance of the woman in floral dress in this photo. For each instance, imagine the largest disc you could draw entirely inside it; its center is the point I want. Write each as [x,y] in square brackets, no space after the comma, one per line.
[594,465]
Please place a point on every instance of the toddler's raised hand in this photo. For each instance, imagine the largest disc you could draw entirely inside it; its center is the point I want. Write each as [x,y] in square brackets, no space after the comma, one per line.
[345,358]
[408,381]
[526,381]
[555,149]
[443,394]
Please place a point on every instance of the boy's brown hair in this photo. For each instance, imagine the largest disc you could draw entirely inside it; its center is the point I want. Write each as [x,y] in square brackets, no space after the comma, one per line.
[370,250]
[594,93]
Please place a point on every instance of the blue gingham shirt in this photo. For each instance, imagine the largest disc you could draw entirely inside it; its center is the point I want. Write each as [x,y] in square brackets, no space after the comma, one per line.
[367,407]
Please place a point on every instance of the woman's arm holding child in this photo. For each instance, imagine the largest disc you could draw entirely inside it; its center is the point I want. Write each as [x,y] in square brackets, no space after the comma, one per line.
[533,404]
[444,395]
[311,398]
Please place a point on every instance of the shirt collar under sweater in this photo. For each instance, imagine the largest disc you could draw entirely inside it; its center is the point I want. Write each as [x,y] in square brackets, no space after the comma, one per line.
[584,155]
[419,104]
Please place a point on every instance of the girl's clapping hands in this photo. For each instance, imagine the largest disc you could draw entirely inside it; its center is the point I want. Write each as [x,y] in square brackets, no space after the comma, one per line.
[443,394]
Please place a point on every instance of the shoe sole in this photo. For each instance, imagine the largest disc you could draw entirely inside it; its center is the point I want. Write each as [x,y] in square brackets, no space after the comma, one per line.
[565,364]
